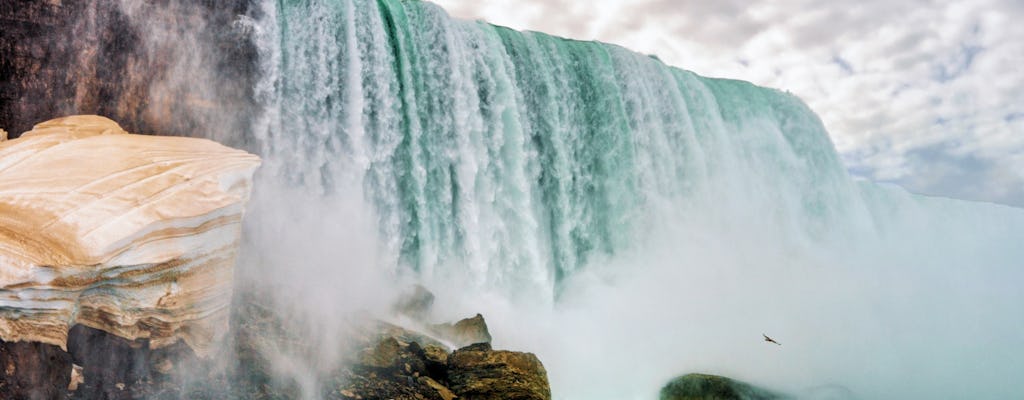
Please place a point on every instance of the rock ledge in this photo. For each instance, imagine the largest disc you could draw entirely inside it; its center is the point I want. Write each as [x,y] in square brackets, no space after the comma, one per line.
[129,234]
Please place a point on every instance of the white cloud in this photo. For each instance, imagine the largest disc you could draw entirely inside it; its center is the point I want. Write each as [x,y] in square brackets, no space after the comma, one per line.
[909,90]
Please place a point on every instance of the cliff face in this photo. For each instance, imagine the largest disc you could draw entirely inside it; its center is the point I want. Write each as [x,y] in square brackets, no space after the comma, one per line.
[129,234]
[124,60]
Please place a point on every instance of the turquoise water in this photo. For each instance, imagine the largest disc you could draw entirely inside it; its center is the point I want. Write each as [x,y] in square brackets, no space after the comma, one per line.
[583,176]
[520,152]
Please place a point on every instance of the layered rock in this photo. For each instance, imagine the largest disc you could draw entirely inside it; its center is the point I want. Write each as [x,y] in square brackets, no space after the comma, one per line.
[128,234]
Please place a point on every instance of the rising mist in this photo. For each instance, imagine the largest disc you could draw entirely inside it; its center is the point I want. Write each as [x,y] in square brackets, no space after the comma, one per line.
[625,220]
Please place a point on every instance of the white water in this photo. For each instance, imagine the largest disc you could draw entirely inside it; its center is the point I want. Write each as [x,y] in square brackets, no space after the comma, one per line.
[626,221]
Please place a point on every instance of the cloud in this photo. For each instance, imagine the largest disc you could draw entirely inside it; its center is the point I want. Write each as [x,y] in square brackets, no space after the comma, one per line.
[892,80]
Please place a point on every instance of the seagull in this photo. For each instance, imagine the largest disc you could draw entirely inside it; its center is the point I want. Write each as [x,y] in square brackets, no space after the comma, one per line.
[768,339]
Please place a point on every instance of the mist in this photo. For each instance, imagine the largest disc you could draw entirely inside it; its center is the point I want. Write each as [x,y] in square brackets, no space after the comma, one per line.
[652,224]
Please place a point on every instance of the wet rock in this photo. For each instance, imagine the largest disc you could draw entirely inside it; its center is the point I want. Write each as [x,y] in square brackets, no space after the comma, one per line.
[477,372]
[465,332]
[435,360]
[121,59]
[383,355]
[115,367]
[415,302]
[33,371]
[378,330]
[713,387]
[442,391]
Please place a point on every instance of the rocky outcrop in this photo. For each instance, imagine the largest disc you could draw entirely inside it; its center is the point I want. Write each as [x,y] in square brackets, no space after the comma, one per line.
[713,387]
[129,234]
[477,372]
[399,370]
[381,361]
[464,332]
[129,239]
[416,303]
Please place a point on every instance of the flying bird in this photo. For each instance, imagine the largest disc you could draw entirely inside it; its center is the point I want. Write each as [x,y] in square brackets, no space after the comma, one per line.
[770,340]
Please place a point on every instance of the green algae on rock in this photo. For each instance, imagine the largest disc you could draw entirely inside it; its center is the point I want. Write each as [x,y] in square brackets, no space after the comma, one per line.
[714,387]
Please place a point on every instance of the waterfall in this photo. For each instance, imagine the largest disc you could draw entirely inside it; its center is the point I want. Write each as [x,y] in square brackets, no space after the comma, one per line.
[584,176]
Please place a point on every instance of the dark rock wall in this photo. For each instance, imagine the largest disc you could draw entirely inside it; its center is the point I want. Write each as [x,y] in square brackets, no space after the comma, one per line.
[160,66]
[33,371]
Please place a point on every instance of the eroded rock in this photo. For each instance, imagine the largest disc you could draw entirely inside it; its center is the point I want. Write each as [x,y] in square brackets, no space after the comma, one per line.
[383,355]
[465,332]
[477,372]
[442,390]
[115,250]
[130,234]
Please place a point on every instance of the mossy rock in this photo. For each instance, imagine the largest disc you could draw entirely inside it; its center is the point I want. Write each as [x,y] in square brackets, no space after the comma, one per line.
[713,387]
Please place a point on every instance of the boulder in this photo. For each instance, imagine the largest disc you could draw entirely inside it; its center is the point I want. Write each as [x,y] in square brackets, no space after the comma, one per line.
[383,355]
[713,387]
[415,302]
[465,332]
[477,372]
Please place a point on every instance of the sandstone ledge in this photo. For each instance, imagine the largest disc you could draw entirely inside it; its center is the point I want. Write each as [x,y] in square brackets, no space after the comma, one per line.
[129,234]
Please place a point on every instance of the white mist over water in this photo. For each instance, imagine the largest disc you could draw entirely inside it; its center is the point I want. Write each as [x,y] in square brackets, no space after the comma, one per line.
[675,218]
[626,221]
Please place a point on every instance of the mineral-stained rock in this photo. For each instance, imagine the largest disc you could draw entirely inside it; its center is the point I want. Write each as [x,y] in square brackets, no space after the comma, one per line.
[465,332]
[129,234]
[713,387]
[477,372]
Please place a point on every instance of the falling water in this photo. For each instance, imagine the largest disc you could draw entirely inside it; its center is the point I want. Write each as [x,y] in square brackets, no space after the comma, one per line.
[627,220]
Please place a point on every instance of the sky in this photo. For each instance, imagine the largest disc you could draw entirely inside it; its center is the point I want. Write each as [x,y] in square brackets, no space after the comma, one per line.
[928,95]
